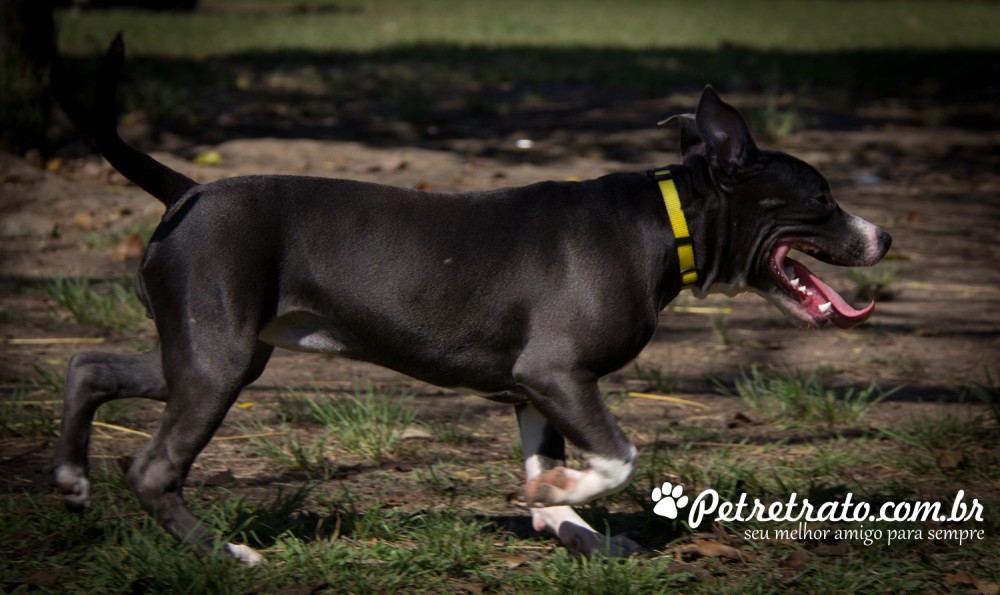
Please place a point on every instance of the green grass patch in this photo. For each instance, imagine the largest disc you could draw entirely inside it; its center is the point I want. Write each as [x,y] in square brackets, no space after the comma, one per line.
[108,306]
[655,379]
[223,28]
[292,449]
[143,228]
[880,282]
[798,397]
[422,62]
[23,415]
[343,537]
[369,422]
[986,392]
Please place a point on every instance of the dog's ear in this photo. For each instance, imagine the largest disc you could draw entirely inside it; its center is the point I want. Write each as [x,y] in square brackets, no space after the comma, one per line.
[728,144]
[691,143]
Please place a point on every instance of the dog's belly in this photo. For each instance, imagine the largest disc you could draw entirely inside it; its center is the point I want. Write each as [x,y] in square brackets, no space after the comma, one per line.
[307,332]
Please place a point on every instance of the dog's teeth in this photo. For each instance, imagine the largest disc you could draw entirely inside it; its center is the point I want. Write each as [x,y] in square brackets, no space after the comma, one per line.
[795,282]
[802,289]
[824,308]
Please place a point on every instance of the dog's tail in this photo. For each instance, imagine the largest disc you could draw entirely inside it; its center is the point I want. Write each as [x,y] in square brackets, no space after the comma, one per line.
[149,174]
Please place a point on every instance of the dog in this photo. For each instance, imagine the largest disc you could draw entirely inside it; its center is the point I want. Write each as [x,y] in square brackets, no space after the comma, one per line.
[525,295]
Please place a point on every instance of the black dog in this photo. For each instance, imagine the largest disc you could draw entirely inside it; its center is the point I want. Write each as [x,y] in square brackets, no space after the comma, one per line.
[526,295]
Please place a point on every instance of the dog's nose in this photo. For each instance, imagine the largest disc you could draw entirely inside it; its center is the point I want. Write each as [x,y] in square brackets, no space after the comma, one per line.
[883,240]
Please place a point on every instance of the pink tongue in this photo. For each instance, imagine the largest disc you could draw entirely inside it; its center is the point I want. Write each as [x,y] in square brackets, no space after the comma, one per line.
[841,313]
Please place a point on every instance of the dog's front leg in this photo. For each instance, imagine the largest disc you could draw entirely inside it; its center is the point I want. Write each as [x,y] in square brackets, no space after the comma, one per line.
[544,451]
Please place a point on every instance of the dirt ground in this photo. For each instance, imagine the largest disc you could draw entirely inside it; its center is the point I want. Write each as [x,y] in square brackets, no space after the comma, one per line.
[935,189]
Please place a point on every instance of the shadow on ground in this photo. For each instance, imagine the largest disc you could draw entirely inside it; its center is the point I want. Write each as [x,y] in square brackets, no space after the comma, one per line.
[467,98]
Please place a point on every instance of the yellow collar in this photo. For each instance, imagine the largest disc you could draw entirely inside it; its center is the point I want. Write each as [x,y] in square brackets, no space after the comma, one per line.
[685,245]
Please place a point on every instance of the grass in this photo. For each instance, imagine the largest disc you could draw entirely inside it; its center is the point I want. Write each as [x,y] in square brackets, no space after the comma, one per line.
[393,530]
[108,306]
[291,449]
[720,330]
[987,392]
[880,282]
[655,378]
[369,422]
[21,415]
[773,122]
[143,228]
[29,406]
[422,62]
[345,536]
[798,397]
[224,29]
[951,444]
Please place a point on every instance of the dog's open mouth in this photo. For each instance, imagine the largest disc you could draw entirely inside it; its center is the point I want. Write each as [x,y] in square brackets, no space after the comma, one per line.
[815,301]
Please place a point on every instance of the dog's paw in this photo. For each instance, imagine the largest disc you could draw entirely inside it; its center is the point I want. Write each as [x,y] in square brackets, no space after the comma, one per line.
[590,543]
[72,482]
[550,488]
[244,554]
[669,499]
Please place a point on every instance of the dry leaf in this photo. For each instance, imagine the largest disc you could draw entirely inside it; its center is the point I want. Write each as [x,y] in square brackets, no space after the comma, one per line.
[796,560]
[130,247]
[222,478]
[712,549]
[212,158]
[841,548]
[967,578]
[959,578]
[84,221]
[416,433]
[947,459]
[742,419]
[466,587]
[304,589]
[512,562]
[694,570]
[43,577]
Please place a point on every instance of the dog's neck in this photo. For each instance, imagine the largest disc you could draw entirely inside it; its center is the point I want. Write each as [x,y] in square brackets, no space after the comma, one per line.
[678,223]
[704,210]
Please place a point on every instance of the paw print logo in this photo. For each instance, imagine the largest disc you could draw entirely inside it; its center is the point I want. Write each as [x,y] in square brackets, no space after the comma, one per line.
[668,499]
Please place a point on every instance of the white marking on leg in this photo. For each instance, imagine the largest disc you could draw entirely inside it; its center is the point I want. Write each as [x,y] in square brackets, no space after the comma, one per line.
[244,554]
[563,521]
[568,486]
[73,483]
[535,465]
[614,474]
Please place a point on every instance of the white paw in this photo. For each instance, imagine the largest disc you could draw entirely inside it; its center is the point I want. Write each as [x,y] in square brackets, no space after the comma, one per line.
[244,554]
[72,482]
[668,500]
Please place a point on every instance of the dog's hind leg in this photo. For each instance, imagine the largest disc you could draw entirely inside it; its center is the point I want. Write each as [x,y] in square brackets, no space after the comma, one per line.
[92,380]
[544,450]
[204,380]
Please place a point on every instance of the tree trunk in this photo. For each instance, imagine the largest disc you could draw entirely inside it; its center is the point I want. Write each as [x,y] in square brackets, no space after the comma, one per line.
[27,50]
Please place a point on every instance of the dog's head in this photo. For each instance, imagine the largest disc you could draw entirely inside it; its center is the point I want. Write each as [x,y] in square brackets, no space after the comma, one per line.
[770,204]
